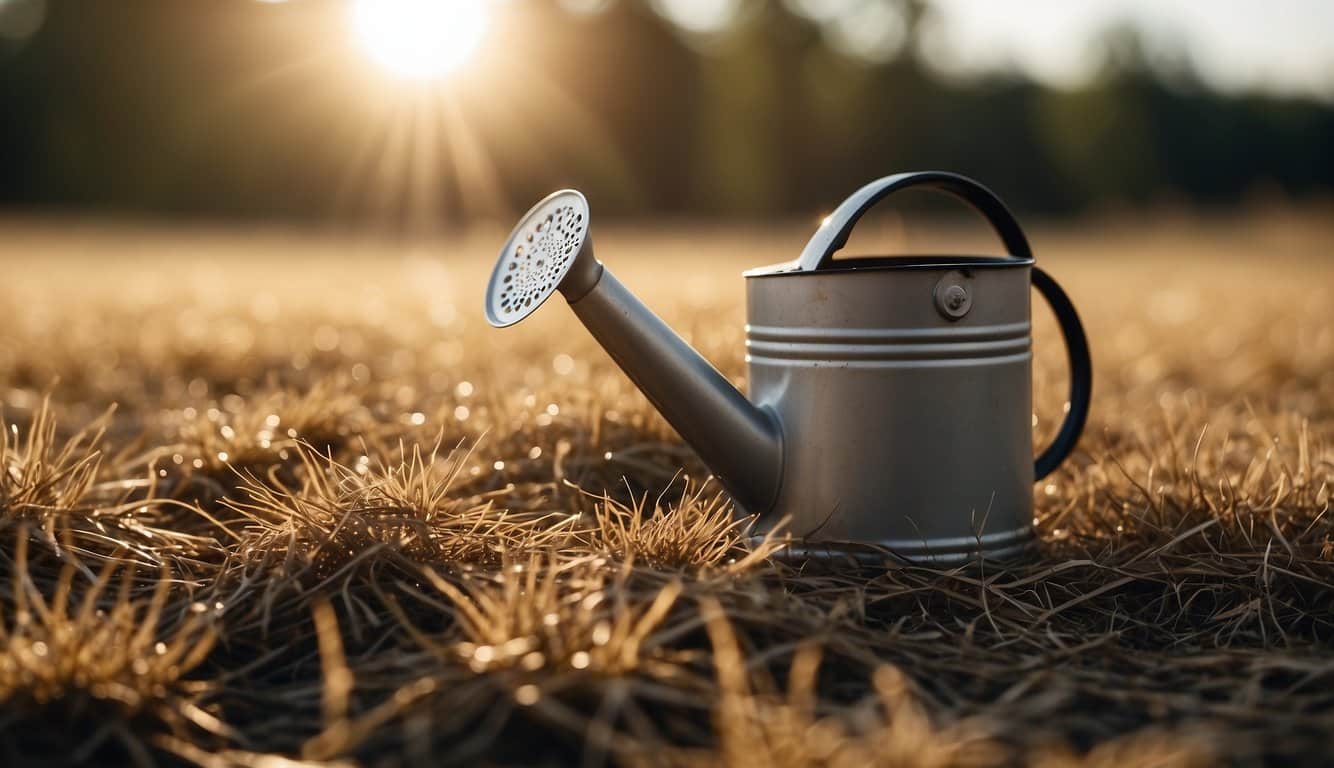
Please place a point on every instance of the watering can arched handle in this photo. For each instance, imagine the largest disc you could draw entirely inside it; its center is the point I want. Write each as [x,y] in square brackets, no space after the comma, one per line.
[833,235]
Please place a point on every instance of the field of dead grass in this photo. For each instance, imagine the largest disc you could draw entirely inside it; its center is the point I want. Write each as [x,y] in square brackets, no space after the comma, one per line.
[269,496]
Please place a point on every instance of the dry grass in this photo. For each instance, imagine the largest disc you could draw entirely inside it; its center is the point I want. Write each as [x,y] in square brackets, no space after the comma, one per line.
[334,519]
[407,513]
[759,727]
[79,663]
[261,438]
[699,533]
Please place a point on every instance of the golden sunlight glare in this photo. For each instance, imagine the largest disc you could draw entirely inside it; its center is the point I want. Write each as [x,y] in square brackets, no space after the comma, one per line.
[419,39]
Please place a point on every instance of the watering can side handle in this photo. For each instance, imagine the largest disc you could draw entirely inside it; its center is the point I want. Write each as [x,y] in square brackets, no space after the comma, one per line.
[833,233]
[1081,374]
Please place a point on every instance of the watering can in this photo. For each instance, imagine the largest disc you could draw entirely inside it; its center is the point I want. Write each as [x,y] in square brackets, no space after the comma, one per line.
[890,409]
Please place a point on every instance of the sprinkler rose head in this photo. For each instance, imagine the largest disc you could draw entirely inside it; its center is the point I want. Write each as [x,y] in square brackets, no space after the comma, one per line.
[549,249]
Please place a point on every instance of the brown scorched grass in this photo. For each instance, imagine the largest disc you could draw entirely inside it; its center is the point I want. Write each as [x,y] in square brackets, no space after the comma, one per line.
[334,519]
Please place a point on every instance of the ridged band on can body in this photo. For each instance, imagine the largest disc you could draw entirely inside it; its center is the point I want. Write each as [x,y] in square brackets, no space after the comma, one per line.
[903,428]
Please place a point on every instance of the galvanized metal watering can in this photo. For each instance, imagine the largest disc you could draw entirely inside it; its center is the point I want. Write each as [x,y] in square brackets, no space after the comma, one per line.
[890,404]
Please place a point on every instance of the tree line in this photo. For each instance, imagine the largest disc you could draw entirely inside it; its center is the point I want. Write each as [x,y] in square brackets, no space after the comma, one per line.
[227,108]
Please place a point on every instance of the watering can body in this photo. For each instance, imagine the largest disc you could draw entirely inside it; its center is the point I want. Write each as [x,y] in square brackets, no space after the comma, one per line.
[902,429]
[890,407]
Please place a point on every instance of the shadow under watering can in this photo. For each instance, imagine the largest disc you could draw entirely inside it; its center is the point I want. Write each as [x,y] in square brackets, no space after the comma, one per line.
[890,397]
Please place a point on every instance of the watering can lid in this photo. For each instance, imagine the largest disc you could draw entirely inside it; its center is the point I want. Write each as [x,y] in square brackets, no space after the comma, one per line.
[837,226]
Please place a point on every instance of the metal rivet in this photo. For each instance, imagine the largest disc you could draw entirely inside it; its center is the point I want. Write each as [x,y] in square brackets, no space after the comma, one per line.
[952,297]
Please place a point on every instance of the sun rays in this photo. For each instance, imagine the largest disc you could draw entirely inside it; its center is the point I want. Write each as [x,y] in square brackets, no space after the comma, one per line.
[420,39]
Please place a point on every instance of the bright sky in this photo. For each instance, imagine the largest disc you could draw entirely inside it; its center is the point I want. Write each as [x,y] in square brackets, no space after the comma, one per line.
[1284,45]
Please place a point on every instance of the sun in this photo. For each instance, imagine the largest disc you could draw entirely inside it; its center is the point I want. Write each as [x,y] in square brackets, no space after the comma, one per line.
[420,39]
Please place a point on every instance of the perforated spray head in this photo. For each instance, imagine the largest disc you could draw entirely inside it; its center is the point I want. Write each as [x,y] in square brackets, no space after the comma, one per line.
[549,249]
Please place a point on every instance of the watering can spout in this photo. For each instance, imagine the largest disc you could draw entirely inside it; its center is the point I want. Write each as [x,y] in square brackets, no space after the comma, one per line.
[550,250]
[740,442]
